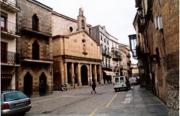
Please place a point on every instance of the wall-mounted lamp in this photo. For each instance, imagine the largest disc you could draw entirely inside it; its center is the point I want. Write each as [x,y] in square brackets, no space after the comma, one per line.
[132,42]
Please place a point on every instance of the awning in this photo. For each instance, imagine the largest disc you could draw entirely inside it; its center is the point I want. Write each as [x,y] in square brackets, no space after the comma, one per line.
[109,73]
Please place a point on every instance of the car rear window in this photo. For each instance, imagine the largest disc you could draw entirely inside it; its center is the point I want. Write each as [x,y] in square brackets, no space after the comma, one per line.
[121,79]
[116,80]
[14,96]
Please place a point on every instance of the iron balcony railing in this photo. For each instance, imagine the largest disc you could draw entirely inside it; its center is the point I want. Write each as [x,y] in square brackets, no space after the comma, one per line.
[107,66]
[9,5]
[42,27]
[9,57]
[9,2]
[106,52]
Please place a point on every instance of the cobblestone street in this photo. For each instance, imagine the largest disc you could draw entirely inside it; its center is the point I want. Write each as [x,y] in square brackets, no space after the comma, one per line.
[80,102]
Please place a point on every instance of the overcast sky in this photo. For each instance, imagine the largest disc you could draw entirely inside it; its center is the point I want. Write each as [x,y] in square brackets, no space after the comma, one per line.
[116,15]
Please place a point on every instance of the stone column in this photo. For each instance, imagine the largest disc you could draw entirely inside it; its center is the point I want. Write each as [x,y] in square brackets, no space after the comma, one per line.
[72,74]
[62,70]
[65,73]
[79,75]
[95,74]
[100,74]
[88,73]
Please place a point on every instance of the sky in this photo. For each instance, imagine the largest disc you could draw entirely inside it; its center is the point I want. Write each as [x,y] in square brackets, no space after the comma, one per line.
[116,15]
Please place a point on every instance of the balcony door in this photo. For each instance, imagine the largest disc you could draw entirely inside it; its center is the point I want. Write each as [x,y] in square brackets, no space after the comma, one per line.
[3,52]
[35,50]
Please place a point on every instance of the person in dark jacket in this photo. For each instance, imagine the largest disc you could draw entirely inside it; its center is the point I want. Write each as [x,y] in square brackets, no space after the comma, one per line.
[93,87]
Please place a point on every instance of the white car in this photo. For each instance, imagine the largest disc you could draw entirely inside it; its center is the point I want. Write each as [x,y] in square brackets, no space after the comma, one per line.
[121,83]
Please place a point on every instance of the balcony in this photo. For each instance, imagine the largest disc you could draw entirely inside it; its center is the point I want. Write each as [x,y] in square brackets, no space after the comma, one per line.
[105,52]
[107,67]
[116,54]
[9,59]
[42,30]
[128,55]
[9,5]
[129,63]
[45,59]
[9,31]
[141,25]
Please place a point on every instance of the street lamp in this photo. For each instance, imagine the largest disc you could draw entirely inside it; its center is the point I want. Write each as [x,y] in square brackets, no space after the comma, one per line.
[132,42]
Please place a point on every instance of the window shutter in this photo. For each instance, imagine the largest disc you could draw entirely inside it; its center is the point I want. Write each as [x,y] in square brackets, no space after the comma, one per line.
[160,24]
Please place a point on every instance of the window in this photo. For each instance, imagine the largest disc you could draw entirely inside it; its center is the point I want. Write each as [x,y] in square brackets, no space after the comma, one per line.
[116,80]
[3,21]
[70,29]
[83,24]
[35,22]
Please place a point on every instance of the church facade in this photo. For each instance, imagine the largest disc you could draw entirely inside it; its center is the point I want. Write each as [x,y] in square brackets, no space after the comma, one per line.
[77,57]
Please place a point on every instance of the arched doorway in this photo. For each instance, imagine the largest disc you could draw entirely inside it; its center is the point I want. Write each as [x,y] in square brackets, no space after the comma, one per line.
[69,71]
[75,73]
[35,22]
[28,82]
[104,77]
[35,50]
[84,77]
[42,84]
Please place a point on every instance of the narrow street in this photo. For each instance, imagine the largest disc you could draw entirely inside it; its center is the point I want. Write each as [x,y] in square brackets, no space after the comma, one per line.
[80,102]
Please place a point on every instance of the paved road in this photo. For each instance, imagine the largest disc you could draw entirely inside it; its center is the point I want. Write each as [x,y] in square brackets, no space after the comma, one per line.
[80,102]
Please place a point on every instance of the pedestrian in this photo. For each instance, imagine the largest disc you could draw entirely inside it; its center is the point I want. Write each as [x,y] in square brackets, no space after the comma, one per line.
[93,87]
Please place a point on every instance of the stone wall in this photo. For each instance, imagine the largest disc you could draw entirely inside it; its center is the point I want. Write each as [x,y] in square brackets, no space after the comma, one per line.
[28,9]
[61,24]
[167,42]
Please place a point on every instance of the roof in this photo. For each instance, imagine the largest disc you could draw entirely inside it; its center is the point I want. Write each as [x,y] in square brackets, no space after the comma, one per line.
[40,4]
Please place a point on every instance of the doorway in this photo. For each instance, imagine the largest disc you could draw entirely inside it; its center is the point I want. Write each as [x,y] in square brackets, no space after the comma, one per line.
[28,82]
[84,77]
[42,84]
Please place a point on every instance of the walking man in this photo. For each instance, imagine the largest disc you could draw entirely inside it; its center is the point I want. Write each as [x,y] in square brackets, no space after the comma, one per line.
[93,87]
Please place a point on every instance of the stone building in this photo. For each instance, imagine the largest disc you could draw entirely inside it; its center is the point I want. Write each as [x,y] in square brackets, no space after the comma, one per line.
[135,70]
[115,61]
[99,34]
[125,63]
[157,34]
[110,51]
[35,75]
[77,58]
[9,61]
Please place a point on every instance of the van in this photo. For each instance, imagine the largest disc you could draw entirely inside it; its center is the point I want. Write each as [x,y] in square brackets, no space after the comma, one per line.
[121,83]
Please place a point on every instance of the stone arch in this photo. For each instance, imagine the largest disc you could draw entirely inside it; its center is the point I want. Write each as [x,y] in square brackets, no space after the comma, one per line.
[42,84]
[28,84]
[35,22]
[69,71]
[98,74]
[84,75]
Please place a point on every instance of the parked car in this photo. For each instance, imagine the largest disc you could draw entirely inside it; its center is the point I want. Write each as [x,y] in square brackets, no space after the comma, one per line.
[121,83]
[14,102]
